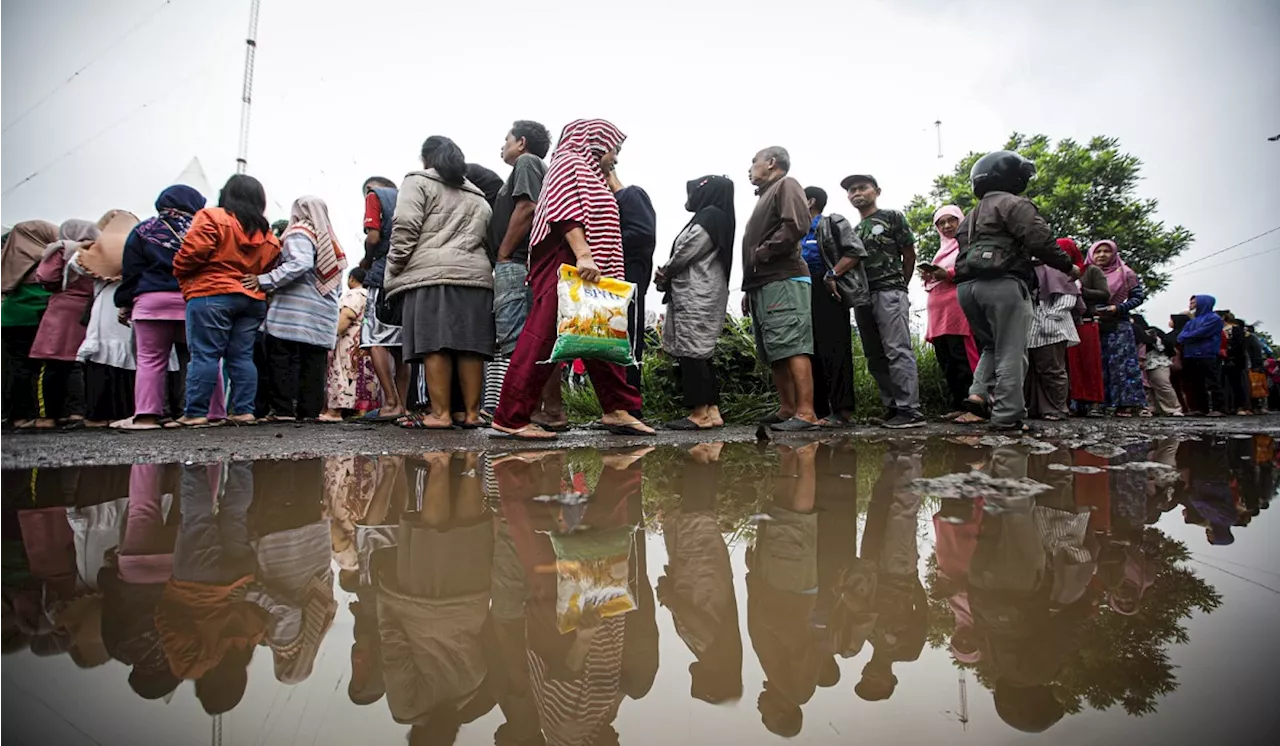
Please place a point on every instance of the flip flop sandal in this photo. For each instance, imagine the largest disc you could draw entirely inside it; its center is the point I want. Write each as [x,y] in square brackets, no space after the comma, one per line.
[968,418]
[419,422]
[553,427]
[132,426]
[686,424]
[835,422]
[180,425]
[627,428]
[521,434]
[795,425]
[980,409]
[71,425]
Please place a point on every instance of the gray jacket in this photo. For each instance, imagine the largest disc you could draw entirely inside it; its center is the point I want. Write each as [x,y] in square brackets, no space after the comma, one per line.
[439,236]
[699,288]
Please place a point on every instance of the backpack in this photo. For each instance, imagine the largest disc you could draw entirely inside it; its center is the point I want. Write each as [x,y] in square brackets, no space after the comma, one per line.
[989,257]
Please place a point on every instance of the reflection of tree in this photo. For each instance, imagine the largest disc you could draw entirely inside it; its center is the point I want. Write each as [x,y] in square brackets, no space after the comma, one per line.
[1119,659]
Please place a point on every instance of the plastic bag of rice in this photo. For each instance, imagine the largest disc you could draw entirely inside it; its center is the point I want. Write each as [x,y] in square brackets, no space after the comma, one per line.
[593,319]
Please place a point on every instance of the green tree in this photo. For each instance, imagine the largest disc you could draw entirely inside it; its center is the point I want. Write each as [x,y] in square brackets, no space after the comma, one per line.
[1088,192]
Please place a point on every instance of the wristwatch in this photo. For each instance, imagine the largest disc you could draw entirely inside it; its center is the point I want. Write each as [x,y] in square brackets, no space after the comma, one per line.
[831,275]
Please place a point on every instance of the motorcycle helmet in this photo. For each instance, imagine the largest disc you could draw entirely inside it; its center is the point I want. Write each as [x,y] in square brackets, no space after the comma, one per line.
[1001,171]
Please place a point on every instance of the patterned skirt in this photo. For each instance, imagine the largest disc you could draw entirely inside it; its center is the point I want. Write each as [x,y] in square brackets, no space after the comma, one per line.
[1120,370]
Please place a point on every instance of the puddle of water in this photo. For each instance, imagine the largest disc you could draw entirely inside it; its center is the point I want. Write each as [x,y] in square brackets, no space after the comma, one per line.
[896,591]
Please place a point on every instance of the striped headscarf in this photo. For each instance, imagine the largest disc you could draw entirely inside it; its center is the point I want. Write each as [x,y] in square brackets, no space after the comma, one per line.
[575,190]
[310,217]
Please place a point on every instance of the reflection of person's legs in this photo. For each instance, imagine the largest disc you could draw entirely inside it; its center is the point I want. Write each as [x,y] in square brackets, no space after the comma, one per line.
[469,501]
[198,550]
[233,520]
[434,496]
[145,531]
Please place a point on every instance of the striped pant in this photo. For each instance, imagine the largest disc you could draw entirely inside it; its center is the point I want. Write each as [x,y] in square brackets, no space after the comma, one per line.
[495,372]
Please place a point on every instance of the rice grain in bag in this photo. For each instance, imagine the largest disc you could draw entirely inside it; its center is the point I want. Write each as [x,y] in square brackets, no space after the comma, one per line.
[592,319]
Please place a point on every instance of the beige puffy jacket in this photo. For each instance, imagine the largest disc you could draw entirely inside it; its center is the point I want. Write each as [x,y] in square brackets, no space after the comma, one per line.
[438,235]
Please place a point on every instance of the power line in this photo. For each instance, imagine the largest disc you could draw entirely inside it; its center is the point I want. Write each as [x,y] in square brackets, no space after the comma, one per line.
[169,91]
[1233,261]
[149,17]
[1223,251]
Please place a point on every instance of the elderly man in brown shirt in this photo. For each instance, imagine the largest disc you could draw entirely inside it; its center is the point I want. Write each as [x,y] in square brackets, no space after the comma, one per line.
[776,282]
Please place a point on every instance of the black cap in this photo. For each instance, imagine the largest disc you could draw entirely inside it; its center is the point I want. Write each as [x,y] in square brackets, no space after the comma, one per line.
[849,181]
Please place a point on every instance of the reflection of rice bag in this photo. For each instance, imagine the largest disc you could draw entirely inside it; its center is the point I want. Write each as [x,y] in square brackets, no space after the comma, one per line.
[592,573]
[593,319]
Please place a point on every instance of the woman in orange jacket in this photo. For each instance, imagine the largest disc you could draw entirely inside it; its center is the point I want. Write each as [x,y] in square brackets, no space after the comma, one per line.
[222,254]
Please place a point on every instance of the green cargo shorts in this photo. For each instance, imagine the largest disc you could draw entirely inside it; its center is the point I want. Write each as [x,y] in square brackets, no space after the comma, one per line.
[782,320]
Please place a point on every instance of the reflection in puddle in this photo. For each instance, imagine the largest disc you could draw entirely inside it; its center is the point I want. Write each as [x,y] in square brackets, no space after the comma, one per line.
[515,598]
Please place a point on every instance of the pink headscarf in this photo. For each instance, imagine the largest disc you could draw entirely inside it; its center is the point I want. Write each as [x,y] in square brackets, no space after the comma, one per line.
[950,249]
[1120,279]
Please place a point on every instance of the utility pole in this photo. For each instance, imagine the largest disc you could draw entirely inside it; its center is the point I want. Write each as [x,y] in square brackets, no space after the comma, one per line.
[938,126]
[246,96]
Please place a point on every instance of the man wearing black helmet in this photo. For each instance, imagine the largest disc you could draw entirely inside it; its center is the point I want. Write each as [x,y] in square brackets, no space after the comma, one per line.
[998,240]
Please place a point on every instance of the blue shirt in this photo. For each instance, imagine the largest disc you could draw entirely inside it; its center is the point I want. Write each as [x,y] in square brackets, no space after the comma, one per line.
[811,252]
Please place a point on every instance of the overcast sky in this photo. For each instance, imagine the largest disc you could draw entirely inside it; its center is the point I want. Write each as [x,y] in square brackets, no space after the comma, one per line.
[346,90]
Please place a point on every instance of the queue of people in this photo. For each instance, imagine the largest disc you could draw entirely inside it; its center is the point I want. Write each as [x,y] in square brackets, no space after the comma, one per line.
[207,315]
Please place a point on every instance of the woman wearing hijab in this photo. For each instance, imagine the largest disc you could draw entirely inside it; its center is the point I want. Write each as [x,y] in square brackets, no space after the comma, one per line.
[59,389]
[224,247]
[302,316]
[948,329]
[1201,340]
[1121,373]
[439,264]
[576,223]
[24,303]
[1084,361]
[107,352]
[151,302]
[696,282]
[1053,331]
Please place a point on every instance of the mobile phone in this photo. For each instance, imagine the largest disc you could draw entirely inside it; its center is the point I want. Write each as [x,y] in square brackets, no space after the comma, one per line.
[927,267]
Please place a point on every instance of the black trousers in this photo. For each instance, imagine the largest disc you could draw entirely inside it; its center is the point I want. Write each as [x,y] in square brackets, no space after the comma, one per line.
[954,361]
[637,269]
[1204,379]
[58,390]
[297,377]
[698,378]
[20,372]
[833,348]
[1235,382]
[108,392]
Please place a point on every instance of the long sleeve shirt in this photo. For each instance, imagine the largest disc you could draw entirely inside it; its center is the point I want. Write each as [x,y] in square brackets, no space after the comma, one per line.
[296,310]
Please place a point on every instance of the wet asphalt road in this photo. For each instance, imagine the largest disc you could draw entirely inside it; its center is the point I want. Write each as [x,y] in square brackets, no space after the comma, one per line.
[295,441]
